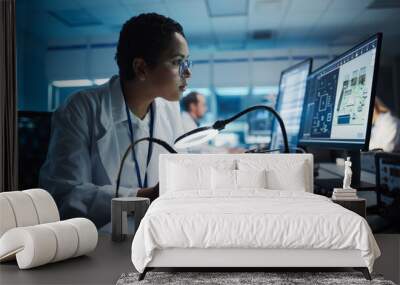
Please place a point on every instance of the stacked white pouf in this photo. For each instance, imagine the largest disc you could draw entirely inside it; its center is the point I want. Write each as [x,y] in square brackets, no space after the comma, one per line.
[31,231]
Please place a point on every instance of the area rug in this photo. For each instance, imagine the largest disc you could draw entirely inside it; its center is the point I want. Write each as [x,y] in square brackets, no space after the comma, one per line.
[243,278]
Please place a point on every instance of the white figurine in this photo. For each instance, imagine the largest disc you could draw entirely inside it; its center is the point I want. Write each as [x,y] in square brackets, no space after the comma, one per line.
[347,174]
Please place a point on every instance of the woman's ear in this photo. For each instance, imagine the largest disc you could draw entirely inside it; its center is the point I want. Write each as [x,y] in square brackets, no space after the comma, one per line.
[139,67]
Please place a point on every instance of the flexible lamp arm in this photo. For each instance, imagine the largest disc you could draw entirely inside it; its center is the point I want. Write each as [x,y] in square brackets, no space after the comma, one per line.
[157,141]
[219,125]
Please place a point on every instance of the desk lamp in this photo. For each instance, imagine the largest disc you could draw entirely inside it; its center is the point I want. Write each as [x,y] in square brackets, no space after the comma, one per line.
[203,134]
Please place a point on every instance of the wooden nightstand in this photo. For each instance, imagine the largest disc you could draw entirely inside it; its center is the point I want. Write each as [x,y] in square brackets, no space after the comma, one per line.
[357,205]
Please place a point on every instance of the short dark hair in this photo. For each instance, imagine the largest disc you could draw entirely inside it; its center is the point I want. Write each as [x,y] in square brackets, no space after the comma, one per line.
[144,36]
[191,98]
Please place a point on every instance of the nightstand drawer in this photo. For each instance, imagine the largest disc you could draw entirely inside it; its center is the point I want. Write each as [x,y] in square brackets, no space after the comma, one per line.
[357,206]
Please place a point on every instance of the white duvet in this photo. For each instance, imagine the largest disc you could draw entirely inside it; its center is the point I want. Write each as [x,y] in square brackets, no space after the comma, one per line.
[250,219]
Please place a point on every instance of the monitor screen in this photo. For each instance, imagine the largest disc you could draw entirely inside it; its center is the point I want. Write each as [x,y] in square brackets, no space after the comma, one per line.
[292,89]
[339,99]
[260,121]
[228,106]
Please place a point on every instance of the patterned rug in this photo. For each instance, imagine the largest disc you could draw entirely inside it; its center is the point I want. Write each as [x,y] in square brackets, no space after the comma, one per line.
[242,278]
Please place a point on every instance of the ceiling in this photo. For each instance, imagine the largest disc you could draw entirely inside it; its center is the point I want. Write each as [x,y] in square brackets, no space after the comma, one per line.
[218,24]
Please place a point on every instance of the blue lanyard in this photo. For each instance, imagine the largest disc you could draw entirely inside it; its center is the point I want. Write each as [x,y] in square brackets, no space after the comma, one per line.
[149,151]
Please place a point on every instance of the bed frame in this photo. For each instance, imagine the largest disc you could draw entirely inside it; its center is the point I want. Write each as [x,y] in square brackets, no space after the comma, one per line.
[242,259]
[246,258]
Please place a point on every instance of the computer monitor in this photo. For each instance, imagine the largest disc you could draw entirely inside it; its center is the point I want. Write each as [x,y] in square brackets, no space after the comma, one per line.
[289,105]
[260,123]
[228,106]
[339,100]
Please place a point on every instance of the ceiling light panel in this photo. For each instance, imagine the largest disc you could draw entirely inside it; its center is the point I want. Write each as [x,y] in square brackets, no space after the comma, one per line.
[266,14]
[226,8]
[193,15]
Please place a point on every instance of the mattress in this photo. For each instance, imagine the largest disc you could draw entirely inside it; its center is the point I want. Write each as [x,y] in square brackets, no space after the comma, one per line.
[250,219]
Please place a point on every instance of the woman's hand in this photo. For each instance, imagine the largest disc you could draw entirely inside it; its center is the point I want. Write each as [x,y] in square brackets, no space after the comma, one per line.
[150,192]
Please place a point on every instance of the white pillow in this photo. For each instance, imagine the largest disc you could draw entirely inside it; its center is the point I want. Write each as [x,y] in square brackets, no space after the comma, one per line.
[223,179]
[251,178]
[291,179]
[282,174]
[188,177]
[194,173]
[231,180]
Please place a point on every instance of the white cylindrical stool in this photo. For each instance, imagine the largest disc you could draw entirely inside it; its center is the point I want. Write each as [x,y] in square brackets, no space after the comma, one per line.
[121,208]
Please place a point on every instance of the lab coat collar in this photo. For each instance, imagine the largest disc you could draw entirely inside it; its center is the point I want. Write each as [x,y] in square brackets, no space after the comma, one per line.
[117,101]
[118,105]
[112,113]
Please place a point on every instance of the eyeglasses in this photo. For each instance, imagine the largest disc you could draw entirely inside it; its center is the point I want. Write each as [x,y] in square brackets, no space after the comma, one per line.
[184,66]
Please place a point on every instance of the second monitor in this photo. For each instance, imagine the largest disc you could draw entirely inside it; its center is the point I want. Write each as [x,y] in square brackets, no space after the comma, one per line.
[339,102]
[292,89]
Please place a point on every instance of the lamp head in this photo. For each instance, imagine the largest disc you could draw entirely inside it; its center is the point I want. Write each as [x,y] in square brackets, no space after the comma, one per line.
[195,137]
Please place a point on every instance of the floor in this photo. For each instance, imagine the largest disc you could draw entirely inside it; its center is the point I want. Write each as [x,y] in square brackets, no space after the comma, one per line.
[389,262]
[102,266]
[106,264]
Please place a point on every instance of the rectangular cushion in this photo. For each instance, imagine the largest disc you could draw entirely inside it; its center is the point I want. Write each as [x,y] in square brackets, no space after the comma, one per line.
[193,174]
[281,175]
[251,178]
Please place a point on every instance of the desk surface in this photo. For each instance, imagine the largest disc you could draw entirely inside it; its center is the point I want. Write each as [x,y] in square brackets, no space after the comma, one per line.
[102,266]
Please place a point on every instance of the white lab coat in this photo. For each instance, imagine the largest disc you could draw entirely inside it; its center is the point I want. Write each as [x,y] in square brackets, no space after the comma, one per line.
[188,122]
[85,150]
[385,133]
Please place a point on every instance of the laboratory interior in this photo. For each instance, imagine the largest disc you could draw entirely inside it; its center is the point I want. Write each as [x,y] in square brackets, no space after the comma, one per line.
[261,77]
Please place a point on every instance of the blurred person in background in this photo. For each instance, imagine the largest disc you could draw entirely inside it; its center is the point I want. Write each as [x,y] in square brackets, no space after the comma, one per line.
[194,107]
[385,132]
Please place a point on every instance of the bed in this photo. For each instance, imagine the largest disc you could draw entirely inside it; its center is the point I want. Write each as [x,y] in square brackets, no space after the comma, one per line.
[246,211]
